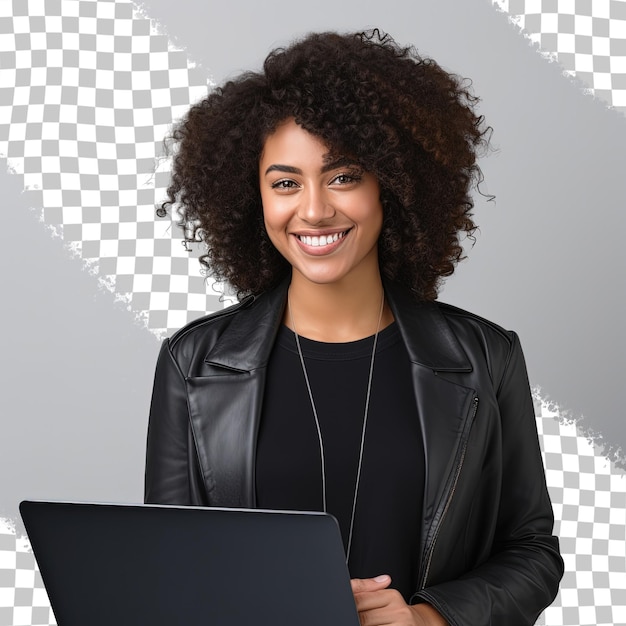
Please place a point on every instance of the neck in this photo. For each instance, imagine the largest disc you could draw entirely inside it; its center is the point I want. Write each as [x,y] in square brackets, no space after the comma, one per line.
[336,312]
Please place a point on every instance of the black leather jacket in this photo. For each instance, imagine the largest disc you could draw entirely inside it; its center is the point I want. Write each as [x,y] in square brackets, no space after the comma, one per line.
[488,553]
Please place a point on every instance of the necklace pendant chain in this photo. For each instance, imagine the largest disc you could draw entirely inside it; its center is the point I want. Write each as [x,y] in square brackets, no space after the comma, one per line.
[317,422]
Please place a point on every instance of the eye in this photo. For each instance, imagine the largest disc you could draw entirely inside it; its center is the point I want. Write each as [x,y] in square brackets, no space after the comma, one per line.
[346,178]
[284,183]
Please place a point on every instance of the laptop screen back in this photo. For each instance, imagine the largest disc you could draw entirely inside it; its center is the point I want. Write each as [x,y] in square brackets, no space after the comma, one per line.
[129,565]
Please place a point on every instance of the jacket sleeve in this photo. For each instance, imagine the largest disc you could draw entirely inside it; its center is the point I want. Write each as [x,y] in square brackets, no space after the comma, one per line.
[171,475]
[522,574]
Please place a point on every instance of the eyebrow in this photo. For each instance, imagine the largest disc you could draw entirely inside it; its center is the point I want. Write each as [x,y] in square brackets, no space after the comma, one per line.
[327,167]
[341,161]
[288,169]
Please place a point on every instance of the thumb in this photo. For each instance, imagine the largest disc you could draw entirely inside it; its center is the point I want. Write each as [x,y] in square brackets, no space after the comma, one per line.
[360,585]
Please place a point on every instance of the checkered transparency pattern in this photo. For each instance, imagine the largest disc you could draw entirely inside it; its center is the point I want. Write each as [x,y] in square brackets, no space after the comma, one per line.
[23,599]
[88,91]
[589,499]
[587,37]
[588,495]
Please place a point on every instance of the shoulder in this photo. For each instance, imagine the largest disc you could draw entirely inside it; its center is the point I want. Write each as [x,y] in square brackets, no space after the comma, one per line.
[187,349]
[446,337]
[437,321]
[470,322]
[212,323]
[238,337]
[484,341]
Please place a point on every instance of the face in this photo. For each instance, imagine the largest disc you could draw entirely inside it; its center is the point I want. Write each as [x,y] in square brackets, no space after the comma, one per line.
[323,217]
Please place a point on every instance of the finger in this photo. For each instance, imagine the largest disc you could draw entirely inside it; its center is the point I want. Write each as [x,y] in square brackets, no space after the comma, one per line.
[378,599]
[386,607]
[359,585]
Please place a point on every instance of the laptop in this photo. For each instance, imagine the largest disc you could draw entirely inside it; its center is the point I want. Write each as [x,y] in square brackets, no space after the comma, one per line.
[136,565]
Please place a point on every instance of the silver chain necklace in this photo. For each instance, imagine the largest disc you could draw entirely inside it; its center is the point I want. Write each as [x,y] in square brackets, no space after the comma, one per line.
[317,422]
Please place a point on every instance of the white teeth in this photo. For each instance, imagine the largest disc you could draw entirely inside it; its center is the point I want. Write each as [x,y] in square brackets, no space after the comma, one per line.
[322,240]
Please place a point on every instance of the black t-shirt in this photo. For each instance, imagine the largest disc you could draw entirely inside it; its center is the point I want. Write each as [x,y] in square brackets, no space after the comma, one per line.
[288,469]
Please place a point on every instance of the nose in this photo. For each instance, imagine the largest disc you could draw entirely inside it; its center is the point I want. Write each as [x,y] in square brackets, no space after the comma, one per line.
[315,206]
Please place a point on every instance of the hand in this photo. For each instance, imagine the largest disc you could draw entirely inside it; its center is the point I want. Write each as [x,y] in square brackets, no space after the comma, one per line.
[377,605]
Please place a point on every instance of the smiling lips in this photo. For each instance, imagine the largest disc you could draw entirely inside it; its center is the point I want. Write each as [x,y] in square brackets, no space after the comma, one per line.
[321,244]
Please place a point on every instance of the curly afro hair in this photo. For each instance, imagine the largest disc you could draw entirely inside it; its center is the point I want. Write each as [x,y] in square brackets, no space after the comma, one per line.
[396,114]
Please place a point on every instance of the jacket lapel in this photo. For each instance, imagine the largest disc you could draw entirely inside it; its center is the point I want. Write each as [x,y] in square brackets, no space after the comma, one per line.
[225,403]
[248,343]
[444,406]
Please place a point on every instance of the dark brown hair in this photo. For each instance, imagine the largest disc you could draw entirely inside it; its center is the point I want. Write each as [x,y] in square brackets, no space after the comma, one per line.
[398,115]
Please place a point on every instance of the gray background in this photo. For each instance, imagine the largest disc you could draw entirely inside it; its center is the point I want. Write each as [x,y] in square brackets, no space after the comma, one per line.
[549,259]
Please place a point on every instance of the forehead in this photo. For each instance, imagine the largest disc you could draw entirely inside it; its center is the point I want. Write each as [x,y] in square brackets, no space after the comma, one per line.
[291,144]
[290,138]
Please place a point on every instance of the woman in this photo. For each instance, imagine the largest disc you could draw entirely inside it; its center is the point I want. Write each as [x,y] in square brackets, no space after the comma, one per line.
[331,190]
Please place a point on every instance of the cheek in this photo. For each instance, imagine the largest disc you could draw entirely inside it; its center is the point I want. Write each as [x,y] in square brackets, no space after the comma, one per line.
[271,218]
[277,213]
[372,215]
[269,212]
[274,225]
[369,209]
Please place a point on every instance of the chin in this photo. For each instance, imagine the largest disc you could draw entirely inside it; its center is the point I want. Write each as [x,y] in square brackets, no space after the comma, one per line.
[320,278]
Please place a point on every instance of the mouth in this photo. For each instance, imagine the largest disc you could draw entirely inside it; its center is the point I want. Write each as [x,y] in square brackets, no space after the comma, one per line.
[321,241]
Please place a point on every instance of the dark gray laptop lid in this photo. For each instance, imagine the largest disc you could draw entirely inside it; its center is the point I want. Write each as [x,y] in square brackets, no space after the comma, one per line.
[126,565]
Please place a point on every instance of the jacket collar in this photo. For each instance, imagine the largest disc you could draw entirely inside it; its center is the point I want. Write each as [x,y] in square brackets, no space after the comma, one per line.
[428,338]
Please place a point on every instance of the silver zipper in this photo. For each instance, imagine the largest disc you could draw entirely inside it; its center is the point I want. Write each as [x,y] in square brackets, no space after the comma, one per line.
[431,549]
